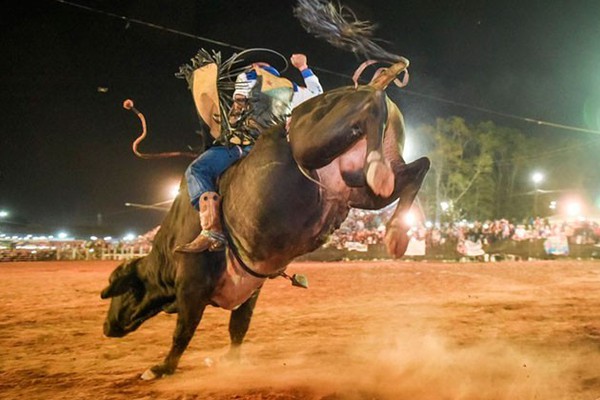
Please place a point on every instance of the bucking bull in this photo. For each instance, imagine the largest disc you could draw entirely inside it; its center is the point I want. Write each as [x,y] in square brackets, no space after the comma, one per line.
[342,149]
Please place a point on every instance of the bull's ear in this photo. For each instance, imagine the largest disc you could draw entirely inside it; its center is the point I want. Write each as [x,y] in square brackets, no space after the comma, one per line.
[121,280]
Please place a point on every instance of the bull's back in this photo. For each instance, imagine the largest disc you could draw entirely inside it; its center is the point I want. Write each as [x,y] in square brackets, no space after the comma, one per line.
[269,207]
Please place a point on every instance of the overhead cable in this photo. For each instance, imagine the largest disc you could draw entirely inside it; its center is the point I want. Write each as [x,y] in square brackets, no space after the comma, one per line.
[409,92]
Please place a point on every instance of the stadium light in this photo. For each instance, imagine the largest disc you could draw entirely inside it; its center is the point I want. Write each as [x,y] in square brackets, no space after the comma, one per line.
[62,235]
[445,206]
[410,218]
[537,178]
[129,237]
[573,209]
[4,214]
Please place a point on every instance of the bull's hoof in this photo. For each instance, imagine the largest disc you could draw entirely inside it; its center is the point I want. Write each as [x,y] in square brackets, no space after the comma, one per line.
[396,241]
[156,372]
[380,176]
[233,356]
[149,375]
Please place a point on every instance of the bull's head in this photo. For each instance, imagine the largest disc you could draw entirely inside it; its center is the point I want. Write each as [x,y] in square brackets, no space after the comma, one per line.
[133,299]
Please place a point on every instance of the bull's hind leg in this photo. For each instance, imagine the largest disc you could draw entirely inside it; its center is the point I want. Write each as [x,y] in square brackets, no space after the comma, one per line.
[195,283]
[239,322]
[408,180]
[396,237]
[326,126]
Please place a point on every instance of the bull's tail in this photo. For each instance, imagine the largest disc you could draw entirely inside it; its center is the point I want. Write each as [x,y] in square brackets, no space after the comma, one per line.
[128,105]
[339,26]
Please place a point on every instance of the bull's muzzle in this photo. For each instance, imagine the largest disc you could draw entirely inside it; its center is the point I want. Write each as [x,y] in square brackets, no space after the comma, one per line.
[111,330]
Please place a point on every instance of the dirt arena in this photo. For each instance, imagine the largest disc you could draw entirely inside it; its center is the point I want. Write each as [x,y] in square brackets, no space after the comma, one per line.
[363,331]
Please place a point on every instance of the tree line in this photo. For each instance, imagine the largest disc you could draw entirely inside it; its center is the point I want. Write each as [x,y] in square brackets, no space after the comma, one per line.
[483,171]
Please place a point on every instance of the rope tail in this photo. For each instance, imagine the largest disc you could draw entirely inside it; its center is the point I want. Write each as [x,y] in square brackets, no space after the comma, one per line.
[128,105]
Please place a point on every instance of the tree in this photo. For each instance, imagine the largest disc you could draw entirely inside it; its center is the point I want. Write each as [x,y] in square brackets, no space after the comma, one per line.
[458,161]
[510,152]
[474,170]
[483,171]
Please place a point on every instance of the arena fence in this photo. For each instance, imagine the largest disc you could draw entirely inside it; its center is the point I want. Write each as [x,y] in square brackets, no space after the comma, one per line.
[498,251]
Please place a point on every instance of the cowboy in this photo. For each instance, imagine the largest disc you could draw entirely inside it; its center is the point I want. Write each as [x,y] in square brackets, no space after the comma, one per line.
[247,118]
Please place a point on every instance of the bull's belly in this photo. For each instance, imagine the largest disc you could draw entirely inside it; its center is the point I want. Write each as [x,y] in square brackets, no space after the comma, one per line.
[235,286]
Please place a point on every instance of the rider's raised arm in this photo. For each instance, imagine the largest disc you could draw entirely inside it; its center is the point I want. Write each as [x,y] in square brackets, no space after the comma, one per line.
[313,86]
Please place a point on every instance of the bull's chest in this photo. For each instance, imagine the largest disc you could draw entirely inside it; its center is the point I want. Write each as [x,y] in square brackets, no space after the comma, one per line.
[235,286]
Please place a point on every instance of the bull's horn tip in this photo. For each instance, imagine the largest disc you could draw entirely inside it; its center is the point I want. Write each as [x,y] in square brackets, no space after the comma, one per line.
[128,104]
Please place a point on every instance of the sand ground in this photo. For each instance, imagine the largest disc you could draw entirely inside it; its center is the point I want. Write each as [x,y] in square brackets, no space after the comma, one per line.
[385,330]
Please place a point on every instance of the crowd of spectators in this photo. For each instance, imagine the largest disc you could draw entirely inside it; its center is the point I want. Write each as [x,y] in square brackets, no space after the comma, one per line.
[368,227]
[360,230]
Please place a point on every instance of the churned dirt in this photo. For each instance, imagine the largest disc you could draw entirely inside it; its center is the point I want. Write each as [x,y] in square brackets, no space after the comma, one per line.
[384,330]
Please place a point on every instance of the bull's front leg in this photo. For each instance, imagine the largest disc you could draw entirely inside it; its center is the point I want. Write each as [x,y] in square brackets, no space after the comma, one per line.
[194,286]
[187,322]
[239,323]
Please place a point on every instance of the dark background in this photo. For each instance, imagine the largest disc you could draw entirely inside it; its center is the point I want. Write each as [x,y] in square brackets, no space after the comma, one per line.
[65,152]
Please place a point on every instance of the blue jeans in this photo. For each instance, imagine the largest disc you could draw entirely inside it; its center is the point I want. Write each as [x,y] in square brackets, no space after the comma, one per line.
[203,172]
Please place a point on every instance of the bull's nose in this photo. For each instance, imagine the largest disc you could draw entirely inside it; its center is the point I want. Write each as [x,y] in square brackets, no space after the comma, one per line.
[112,330]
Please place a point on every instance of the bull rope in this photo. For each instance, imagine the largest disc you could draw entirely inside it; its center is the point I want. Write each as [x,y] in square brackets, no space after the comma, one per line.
[128,105]
[296,280]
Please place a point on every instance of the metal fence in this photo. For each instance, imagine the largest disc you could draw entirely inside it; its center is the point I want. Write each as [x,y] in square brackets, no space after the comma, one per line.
[71,251]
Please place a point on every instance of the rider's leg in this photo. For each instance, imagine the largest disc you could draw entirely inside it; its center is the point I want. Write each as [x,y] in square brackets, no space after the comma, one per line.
[211,237]
[201,177]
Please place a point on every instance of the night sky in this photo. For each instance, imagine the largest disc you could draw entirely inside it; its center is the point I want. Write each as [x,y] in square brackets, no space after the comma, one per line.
[65,152]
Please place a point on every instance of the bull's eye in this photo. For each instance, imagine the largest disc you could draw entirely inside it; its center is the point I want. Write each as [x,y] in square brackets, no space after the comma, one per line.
[355,130]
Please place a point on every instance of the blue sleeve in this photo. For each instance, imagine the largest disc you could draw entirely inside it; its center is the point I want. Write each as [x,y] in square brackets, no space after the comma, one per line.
[307,73]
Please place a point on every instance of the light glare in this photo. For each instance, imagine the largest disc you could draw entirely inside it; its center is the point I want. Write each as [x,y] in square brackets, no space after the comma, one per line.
[444,205]
[128,237]
[573,209]
[410,218]
[174,191]
[537,177]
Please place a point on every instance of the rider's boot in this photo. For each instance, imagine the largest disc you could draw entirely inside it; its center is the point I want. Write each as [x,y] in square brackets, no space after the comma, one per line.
[211,238]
